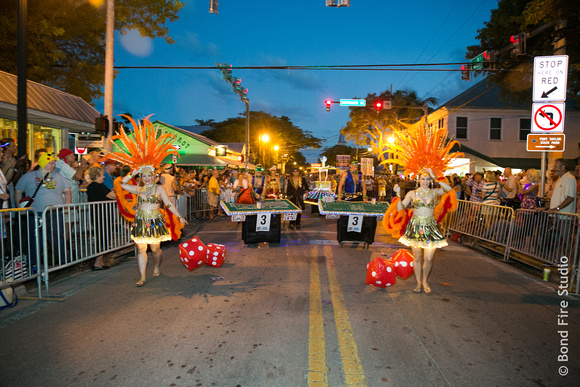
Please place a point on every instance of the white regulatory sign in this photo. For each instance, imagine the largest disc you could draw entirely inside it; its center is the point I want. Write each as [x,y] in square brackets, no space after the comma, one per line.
[548,117]
[550,78]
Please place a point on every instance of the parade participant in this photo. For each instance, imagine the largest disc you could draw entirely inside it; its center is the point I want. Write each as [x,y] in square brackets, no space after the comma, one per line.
[272,184]
[425,154]
[243,191]
[259,181]
[352,185]
[295,190]
[145,151]
[213,194]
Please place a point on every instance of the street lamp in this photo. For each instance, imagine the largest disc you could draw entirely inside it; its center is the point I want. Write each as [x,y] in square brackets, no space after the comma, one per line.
[264,138]
[390,141]
[276,148]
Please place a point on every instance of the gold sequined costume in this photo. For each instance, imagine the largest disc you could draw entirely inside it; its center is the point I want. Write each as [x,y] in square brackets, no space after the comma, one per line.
[149,227]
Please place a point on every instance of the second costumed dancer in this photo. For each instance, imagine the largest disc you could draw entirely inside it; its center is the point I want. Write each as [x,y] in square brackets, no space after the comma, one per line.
[145,150]
[425,154]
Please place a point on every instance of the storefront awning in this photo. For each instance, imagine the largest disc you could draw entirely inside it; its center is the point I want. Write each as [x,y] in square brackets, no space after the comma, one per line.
[197,161]
[236,163]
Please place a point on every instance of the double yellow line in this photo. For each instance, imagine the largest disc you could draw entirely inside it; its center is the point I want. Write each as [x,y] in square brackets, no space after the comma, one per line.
[351,364]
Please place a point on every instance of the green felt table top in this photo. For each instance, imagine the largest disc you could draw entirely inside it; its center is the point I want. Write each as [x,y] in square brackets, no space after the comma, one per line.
[271,206]
[346,208]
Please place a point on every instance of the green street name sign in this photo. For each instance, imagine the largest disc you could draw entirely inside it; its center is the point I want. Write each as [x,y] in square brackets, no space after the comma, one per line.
[353,102]
[477,62]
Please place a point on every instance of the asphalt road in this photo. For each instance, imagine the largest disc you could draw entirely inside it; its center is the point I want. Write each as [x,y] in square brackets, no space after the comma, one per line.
[294,314]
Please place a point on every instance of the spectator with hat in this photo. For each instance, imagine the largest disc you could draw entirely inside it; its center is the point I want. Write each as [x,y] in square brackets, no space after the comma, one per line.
[64,166]
[111,173]
[53,189]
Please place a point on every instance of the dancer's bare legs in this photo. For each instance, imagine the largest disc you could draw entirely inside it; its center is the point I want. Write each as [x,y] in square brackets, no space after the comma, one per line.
[427,263]
[417,267]
[157,258]
[142,262]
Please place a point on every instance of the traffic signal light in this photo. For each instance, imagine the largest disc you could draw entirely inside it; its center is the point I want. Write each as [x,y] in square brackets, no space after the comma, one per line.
[213,6]
[328,103]
[518,43]
[226,70]
[465,73]
[102,125]
[489,59]
[378,105]
[241,158]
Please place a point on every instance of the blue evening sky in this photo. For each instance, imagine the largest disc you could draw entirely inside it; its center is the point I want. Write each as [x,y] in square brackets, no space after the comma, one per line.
[299,32]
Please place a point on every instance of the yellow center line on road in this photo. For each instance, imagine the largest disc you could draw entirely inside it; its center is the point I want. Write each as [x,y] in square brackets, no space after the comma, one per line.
[351,364]
[317,370]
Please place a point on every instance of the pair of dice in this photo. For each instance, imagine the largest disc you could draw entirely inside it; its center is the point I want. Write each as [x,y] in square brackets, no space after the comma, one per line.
[194,253]
[383,272]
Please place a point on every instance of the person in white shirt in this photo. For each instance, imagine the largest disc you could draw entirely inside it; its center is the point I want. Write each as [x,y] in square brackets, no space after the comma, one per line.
[564,196]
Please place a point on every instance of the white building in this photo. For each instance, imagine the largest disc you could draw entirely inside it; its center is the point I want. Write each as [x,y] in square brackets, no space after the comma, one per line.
[493,132]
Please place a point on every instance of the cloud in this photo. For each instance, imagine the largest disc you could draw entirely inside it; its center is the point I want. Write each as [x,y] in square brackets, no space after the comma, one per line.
[190,41]
[135,44]
[299,79]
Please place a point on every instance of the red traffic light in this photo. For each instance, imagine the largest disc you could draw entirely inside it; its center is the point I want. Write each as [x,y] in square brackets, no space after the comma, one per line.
[378,105]
[514,39]
[328,103]
[241,158]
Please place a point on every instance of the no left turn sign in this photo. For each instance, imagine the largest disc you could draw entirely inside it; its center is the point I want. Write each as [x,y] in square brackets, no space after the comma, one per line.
[548,117]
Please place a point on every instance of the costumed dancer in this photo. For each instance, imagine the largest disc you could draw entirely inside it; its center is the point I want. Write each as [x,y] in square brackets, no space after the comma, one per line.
[352,185]
[145,150]
[425,154]
[295,190]
[272,184]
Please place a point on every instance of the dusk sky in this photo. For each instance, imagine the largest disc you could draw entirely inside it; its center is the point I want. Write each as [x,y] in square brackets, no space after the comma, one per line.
[293,33]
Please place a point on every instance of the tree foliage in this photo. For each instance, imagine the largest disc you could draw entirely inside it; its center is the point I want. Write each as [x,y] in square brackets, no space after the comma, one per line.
[66,39]
[281,130]
[368,126]
[514,72]
[338,149]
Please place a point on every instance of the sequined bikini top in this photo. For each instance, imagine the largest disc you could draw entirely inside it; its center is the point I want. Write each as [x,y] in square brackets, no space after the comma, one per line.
[420,203]
[152,199]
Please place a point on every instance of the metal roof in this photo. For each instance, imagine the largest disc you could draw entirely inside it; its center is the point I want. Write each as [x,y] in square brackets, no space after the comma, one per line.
[487,95]
[47,106]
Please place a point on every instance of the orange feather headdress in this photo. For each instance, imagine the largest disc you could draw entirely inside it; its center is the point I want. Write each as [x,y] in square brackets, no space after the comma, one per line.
[144,148]
[418,149]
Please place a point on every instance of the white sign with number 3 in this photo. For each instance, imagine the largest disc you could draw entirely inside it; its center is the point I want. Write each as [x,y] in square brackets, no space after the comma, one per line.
[263,222]
[354,223]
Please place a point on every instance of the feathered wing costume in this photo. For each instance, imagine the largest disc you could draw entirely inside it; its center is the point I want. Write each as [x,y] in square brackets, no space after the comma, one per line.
[143,149]
[416,150]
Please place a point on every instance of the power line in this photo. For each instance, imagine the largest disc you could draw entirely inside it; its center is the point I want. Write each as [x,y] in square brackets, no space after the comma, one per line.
[380,67]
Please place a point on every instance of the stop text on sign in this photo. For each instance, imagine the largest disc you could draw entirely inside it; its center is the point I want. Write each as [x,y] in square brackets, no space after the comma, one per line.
[550,78]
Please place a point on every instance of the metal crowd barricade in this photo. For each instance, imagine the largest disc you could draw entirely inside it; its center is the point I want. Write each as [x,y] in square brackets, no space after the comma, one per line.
[552,238]
[484,221]
[74,233]
[197,205]
[181,204]
[20,258]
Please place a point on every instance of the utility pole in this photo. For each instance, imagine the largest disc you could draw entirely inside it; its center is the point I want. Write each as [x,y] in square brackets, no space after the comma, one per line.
[22,103]
[109,63]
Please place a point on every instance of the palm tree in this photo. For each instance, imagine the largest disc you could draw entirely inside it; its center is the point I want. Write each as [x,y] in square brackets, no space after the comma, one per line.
[209,122]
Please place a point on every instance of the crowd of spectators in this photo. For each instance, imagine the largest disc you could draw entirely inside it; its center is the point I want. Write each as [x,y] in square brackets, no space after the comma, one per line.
[64,178]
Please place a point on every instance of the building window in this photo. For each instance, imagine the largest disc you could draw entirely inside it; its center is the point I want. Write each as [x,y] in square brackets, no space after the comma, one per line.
[461,128]
[441,122]
[525,128]
[495,128]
